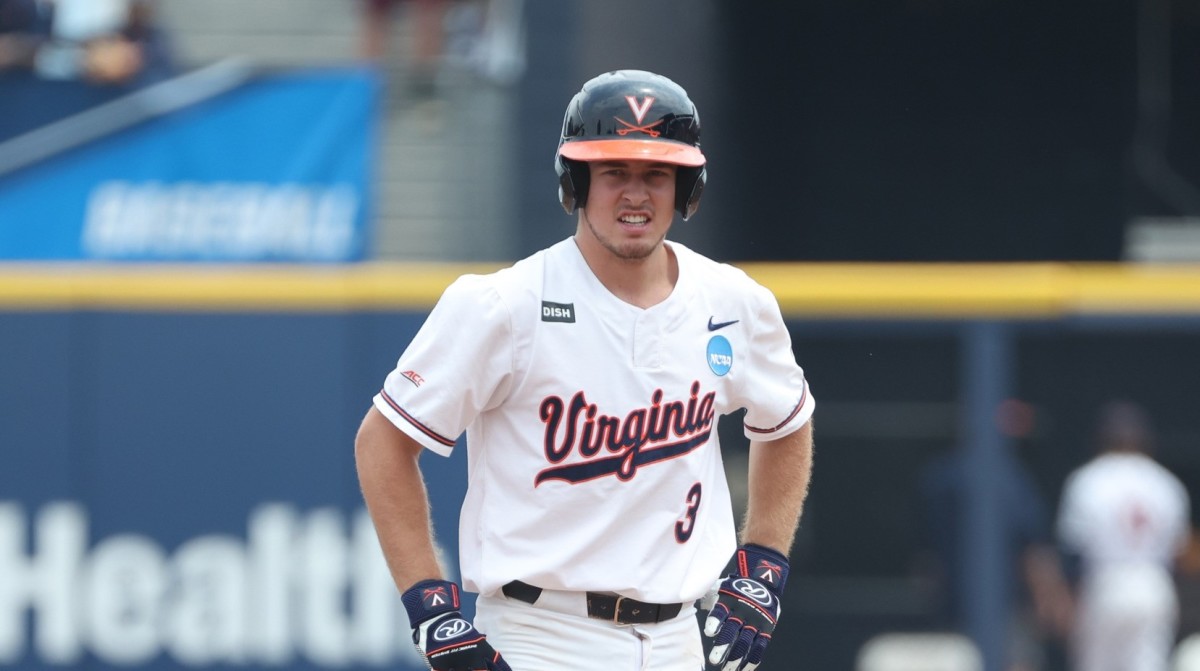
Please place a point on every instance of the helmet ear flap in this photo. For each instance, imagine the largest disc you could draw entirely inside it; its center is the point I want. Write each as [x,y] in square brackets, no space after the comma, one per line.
[689,186]
[573,180]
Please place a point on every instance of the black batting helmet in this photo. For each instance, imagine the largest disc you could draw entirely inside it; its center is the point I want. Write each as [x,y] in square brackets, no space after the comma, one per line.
[630,115]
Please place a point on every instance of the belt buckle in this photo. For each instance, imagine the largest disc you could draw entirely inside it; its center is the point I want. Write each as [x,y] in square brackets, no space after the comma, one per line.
[617,611]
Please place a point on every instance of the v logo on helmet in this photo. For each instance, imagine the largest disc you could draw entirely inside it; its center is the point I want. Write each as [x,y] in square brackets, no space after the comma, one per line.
[639,109]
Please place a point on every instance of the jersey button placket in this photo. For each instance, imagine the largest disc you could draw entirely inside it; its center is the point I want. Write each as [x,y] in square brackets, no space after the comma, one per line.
[647,342]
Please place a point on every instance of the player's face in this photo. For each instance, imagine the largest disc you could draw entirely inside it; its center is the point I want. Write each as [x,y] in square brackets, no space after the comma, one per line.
[630,206]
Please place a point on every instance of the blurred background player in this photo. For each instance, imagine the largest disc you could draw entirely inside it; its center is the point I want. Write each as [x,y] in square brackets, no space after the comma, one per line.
[484,37]
[1124,519]
[429,35]
[106,42]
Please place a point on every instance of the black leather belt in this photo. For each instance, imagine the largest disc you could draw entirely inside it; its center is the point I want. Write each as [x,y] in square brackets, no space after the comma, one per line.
[618,609]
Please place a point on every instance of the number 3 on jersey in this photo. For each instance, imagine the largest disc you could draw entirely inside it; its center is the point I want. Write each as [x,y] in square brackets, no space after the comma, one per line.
[685,526]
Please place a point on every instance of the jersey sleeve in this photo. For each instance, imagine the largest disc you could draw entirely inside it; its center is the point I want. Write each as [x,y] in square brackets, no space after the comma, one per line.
[1183,524]
[773,391]
[458,365]
[1071,526]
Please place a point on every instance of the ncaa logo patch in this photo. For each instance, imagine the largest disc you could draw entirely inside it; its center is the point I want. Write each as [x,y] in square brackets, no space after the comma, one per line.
[720,355]
[451,628]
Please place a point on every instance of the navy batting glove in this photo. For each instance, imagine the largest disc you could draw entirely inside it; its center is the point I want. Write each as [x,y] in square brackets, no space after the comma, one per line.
[442,635]
[743,618]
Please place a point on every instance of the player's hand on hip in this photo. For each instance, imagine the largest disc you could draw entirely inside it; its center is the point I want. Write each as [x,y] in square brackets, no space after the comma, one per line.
[741,621]
[443,635]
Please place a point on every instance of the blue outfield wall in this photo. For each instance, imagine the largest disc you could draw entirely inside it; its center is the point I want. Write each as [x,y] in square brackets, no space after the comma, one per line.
[178,491]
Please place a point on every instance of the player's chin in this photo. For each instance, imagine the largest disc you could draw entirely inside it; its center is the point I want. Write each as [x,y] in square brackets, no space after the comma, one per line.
[635,250]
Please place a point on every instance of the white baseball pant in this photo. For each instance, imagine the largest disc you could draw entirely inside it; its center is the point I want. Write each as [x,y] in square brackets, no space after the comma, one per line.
[533,638]
[1127,619]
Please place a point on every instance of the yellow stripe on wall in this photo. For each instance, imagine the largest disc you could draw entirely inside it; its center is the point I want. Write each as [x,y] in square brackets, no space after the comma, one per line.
[890,291]
[982,290]
[218,287]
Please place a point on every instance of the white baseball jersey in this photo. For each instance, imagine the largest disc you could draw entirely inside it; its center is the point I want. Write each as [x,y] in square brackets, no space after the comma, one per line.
[593,459]
[1128,517]
[1121,509]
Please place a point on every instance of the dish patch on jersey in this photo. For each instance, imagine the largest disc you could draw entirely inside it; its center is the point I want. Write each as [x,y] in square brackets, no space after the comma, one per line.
[558,312]
[720,355]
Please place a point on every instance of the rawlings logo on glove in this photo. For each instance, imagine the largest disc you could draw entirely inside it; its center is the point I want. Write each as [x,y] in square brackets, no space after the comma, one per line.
[742,619]
[447,641]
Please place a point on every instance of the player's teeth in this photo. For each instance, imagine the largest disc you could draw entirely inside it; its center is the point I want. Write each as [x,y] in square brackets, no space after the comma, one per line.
[634,220]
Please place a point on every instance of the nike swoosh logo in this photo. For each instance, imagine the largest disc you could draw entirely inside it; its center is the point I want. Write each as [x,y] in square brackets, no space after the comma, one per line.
[719,325]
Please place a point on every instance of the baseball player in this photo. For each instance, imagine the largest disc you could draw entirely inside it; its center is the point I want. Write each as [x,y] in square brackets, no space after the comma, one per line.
[589,378]
[1125,518]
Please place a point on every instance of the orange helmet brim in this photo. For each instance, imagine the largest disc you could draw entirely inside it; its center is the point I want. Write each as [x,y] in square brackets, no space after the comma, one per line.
[675,153]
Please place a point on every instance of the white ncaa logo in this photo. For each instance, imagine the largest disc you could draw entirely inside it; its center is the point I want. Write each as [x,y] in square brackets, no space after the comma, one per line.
[753,590]
[451,628]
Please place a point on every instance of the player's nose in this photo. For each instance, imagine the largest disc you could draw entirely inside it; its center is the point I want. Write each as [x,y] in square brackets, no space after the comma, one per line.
[637,191]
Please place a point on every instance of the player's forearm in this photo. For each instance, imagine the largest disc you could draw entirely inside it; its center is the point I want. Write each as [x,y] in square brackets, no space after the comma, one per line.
[396,498]
[780,471]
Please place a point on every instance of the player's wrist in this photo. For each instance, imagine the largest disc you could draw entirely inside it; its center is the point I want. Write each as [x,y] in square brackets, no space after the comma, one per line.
[430,598]
[762,564]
